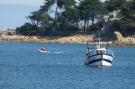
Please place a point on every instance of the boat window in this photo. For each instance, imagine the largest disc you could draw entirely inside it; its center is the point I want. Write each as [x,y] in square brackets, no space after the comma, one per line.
[101,51]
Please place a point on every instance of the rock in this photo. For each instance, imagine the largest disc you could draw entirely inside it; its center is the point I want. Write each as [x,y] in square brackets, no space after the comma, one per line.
[8,31]
[118,35]
[120,40]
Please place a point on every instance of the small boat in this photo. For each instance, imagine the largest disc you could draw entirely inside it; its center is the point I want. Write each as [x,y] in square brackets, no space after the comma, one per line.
[42,50]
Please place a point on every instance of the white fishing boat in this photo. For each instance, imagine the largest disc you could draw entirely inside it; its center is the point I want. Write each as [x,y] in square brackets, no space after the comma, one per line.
[99,56]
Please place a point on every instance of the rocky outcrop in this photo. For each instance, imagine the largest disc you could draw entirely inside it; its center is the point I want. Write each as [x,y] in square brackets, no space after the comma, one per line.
[72,39]
[80,39]
[120,40]
[8,31]
[10,35]
[69,39]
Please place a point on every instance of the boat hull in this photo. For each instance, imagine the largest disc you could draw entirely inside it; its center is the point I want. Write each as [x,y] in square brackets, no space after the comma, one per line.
[42,51]
[100,60]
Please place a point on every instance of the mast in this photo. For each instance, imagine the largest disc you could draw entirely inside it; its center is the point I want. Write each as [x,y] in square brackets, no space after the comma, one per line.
[99,38]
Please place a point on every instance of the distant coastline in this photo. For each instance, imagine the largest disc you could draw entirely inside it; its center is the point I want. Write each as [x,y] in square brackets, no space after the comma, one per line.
[11,36]
[79,39]
[76,39]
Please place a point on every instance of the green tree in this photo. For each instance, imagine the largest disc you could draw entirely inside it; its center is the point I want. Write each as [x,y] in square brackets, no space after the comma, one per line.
[127,22]
[69,15]
[90,10]
[27,29]
[46,7]
[112,5]
[35,18]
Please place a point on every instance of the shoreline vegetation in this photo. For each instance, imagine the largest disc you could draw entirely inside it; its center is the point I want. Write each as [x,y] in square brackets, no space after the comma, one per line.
[73,39]
[78,39]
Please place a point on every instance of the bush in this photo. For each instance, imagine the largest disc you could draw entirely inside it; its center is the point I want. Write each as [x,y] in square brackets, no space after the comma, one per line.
[27,29]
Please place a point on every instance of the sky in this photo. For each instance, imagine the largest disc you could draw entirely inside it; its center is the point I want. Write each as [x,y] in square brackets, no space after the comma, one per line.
[14,12]
[21,2]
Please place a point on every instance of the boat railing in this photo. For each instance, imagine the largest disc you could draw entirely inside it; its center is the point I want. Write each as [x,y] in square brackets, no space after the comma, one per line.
[109,52]
[94,52]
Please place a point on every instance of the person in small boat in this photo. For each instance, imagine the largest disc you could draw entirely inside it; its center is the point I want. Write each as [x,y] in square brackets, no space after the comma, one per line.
[43,49]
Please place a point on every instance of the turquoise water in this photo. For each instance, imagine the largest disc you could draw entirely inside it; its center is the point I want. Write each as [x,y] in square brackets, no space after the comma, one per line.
[23,67]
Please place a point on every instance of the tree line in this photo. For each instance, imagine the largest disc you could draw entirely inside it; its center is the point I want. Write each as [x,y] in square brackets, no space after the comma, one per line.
[63,17]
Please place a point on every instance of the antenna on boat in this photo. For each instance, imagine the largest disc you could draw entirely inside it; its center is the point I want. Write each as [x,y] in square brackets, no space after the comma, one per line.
[107,44]
[98,38]
[87,45]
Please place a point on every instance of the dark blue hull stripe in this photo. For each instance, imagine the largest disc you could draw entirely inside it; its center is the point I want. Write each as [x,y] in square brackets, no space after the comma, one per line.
[100,54]
[93,61]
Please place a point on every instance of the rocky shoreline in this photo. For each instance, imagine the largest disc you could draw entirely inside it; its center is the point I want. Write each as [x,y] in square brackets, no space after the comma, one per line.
[79,39]
[123,41]
[75,39]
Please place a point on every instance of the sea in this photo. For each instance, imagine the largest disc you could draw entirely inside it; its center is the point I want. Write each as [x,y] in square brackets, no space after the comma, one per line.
[22,66]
